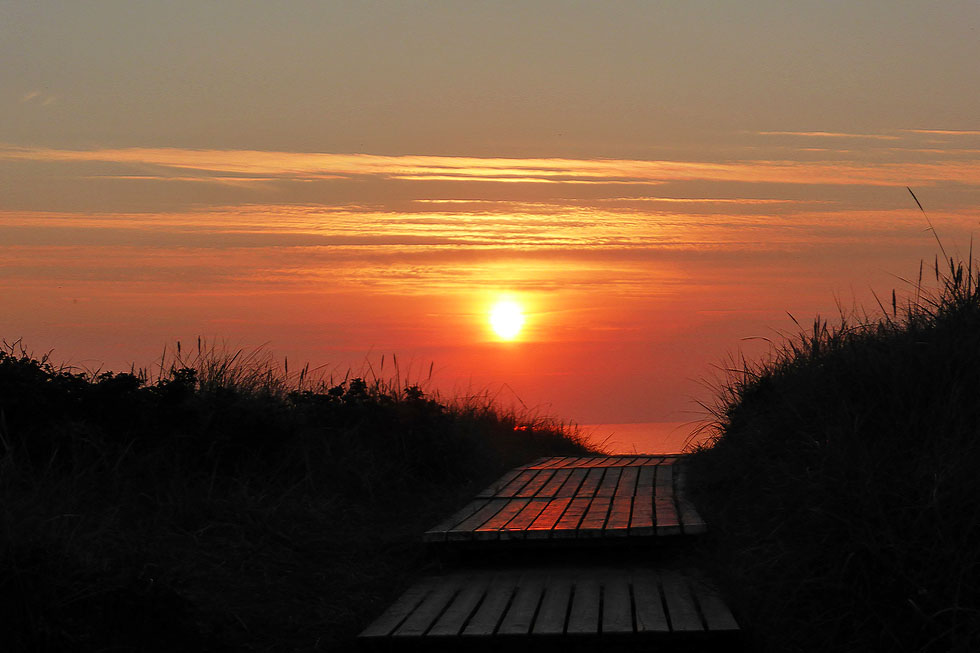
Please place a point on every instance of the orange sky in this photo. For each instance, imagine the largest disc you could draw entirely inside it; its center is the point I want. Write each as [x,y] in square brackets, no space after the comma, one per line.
[658,186]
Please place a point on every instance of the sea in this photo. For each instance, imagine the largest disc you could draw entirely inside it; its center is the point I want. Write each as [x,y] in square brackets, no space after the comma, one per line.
[645,437]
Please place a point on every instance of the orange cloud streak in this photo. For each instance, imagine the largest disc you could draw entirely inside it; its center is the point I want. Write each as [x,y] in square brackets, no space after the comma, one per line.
[302,165]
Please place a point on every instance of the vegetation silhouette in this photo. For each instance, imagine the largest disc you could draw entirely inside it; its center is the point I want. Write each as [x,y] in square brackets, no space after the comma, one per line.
[226,504]
[841,485]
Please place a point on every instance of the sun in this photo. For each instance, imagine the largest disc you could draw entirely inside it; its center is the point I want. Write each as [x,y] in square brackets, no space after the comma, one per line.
[506,319]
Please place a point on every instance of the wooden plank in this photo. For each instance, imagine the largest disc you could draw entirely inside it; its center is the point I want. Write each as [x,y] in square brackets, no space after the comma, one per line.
[558,478]
[488,530]
[462,606]
[520,616]
[624,461]
[554,606]
[540,463]
[439,532]
[541,527]
[537,463]
[431,607]
[590,483]
[716,614]
[518,482]
[618,522]
[491,611]
[570,519]
[583,619]
[627,482]
[663,502]
[641,519]
[400,609]
[650,460]
[572,462]
[557,461]
[464,529]
[648,603]
[617,607]
[681,608]
[516,527]
[610,480]
[691,521]
[536,483]
[595,517]
[574,482]
[499,484]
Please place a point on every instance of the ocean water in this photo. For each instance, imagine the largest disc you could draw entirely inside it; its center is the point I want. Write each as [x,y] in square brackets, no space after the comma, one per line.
[644,437]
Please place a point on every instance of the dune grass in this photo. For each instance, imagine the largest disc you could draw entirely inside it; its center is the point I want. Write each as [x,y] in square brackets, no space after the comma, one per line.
[222,503]
[843,489]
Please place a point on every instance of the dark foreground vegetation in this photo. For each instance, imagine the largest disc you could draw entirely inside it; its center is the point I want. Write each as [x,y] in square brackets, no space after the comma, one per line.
[843,493]
[225,506]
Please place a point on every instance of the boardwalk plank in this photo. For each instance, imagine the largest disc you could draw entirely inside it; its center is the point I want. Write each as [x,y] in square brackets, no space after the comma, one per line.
[642,518]
[691,521]
[452,620]
[554,607]
[627,482]
[422,618]
[464,529]
[617,612]
[595,517]
[537,464]
[555,462]
[491,610]
[536,483]
[591,482]
[573,462]
[520,616]
[570,519]
[610,480]
[542,526]
[558,478]
[499,484]
[517,484]
[663,502]
[516,527]
[400,609]
[680,603]
[440,530]
[716,614]
[488,530]
[648,603]
[618,522]
[624,461]
[572,485]
[583,619]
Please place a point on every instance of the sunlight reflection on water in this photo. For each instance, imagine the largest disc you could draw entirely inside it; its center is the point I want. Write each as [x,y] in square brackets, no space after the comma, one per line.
[643,437]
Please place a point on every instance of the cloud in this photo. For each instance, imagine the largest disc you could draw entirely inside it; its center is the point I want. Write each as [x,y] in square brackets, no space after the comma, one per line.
[38,97]
[218,165]
[820,134]
[945,132]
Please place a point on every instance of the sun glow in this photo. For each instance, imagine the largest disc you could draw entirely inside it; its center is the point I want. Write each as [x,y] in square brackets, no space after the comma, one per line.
[506,319]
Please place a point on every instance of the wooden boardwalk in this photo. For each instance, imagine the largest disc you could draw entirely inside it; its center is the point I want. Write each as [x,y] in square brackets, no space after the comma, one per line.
[572,498]
[583,600]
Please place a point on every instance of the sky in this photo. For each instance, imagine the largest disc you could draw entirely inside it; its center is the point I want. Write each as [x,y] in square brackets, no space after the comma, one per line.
[662,187]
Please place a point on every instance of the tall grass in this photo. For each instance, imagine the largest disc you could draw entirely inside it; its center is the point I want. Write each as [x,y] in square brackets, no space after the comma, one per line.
[222,502]
[842,486]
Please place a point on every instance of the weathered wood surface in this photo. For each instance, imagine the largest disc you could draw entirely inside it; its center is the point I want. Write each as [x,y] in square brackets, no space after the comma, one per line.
[560,602]
[564,498]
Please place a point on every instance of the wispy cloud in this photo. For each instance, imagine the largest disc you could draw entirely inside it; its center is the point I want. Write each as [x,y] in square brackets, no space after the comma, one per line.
[285,166]
[821,134]
[945,132]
